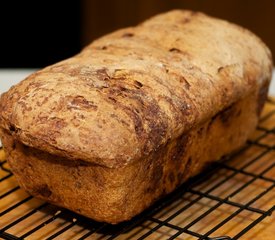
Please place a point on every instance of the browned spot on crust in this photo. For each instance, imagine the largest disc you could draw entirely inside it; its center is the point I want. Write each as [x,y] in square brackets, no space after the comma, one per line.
[58,123]
[180,147]
[78,184]
[112,99]
[79,102]
[102,74]
[154,118]
[185,108]
[149,121]
[156,175]
[171,177]
[12,128]
[45,99]
[33,85]
[180,178]
[211,123]
[187,169]
[114,116]
[137,121]
[186,83]
[138,84]
[50,137]
[75,122]
[127,35]
[175,50]
[220,69]
[119,74]
[226,114]
[42,190]
[73,71]
[157,123]
[99,47]
[42,119]
[180,101]
[238,113]
[200,131]
[54,126]
[185,20]
[173,107]
[121,88]
[25,107]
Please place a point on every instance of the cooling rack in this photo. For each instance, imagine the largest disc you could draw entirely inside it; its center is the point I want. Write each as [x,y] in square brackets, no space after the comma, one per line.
[232,199]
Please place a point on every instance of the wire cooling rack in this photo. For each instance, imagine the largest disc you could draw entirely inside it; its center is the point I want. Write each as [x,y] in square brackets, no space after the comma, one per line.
[228,201]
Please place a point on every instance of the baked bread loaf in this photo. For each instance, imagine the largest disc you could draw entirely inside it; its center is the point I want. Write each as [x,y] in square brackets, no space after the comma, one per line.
[109,131]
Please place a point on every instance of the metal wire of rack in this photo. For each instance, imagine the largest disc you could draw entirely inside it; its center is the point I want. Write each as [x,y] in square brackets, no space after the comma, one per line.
[228,200]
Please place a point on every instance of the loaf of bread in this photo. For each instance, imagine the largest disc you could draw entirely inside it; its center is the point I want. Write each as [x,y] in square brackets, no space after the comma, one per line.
[135,114]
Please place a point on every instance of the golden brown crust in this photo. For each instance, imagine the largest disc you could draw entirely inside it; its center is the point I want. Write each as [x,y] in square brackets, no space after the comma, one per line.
[130,92]
[115,195]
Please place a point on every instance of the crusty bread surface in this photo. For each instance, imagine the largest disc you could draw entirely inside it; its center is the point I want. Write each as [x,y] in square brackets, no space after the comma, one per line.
[109,131]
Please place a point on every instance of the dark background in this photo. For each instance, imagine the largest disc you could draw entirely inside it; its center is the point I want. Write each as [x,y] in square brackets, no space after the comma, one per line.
[34,34]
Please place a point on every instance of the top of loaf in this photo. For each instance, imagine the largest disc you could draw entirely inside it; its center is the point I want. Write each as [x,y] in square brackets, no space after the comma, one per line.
[131,91]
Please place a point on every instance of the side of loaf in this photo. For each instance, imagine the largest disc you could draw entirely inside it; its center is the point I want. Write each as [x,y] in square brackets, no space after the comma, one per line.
[114,195]
[109,131]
